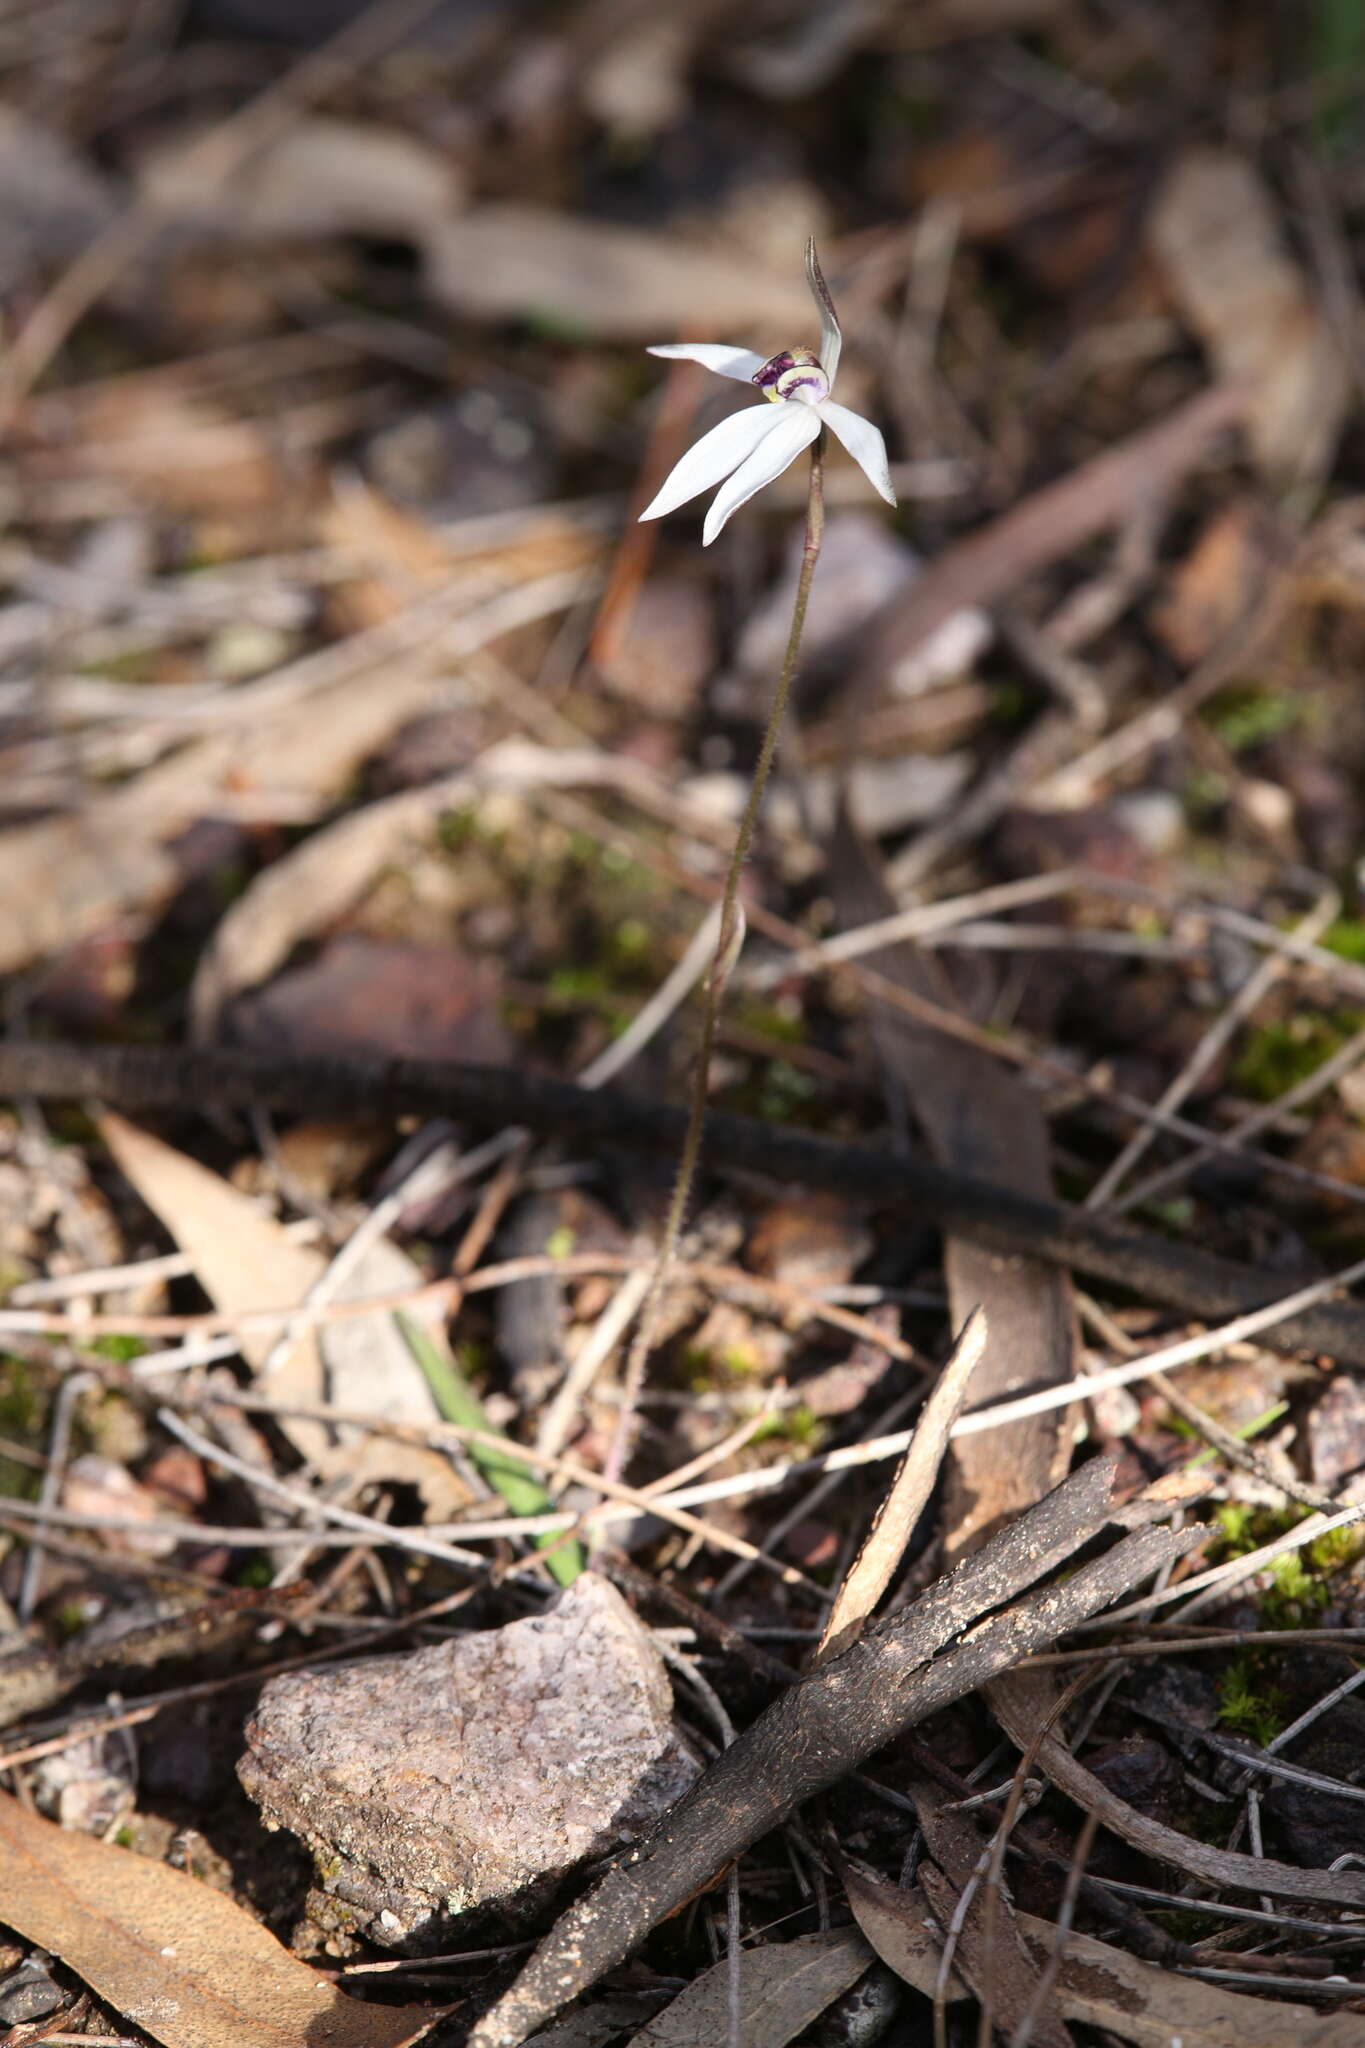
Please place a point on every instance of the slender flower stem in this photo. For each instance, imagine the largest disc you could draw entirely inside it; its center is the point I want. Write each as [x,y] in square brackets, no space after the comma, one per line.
[729,943]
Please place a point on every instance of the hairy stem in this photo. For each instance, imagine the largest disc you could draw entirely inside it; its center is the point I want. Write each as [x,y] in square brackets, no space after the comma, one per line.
[729,943]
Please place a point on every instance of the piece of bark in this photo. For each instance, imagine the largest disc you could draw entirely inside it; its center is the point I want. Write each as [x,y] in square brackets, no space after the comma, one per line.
[982,1120]
[898,1673]
[907,1496]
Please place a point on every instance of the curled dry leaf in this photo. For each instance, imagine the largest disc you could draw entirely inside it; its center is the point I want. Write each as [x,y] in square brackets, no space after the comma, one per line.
[1022,1702]
[175,1957]
[990,1951]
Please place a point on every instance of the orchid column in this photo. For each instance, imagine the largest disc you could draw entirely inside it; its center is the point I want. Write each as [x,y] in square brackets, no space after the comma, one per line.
[750,449]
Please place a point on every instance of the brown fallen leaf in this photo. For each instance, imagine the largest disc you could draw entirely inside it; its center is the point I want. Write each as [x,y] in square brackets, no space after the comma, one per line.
[1219,582]
[990,1951]
[172,1955]
[244,1260]
[1100,1984]
[1217,238]
[783,1989]
[383,997]
[511,262]
[320,177]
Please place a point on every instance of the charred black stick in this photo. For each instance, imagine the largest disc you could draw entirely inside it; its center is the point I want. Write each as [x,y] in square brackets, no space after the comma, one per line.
[1181,1276]
[808,1738]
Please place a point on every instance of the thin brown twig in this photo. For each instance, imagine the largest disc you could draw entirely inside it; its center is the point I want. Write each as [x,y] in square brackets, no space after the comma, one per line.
[1211,1044]
[786,1297]
[1232,1447]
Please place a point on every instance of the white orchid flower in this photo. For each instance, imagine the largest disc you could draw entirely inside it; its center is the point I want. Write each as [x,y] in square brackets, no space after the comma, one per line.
[753,447]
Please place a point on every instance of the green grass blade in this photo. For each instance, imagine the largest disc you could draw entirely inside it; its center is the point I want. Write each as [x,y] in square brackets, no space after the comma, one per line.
[516,1483]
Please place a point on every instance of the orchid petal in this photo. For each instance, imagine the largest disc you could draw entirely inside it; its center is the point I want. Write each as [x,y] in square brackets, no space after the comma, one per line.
[740,363]
[831,334]
[726,447]
[863,442]
[795,427]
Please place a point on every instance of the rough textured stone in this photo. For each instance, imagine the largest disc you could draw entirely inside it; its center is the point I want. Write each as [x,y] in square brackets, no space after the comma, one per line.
[458,1775]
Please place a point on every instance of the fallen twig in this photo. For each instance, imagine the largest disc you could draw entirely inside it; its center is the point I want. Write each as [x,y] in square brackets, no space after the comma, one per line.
[1181,1276]
[895,1675]
[1022,1699]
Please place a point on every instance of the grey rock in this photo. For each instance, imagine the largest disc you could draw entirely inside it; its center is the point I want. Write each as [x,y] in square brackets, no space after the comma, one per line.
[29,1993]
[459,1775]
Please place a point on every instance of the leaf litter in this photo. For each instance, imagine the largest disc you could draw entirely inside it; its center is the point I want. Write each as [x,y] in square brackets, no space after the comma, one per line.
[363,786]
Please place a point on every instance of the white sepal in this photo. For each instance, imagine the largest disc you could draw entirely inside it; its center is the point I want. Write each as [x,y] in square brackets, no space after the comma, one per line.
[740,363]
[863,442]
[793,429]
[725,448]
